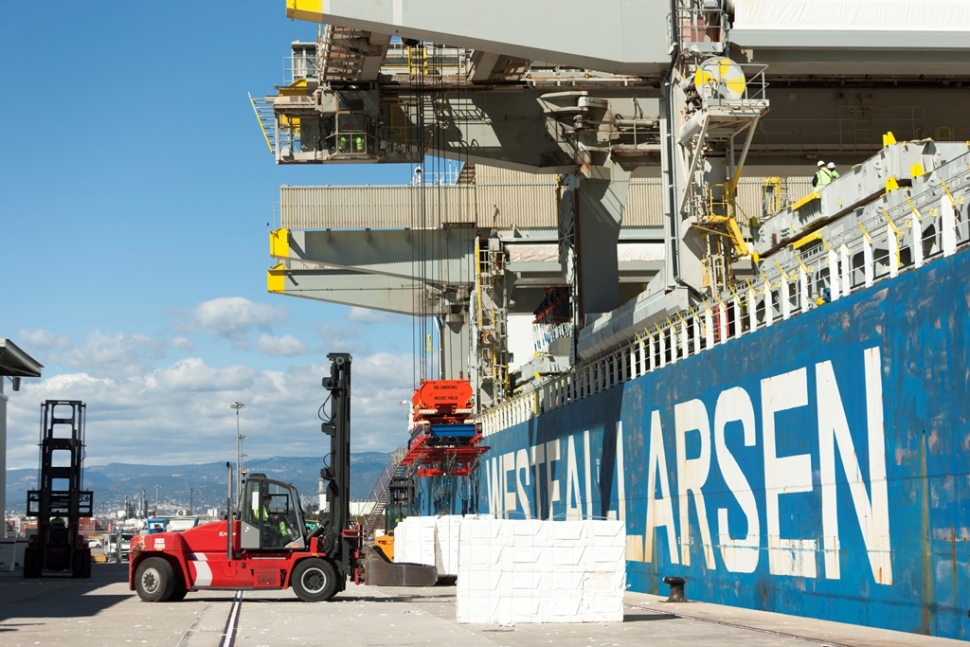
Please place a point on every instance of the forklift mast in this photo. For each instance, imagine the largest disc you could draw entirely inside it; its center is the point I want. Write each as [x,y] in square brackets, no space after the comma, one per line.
[336,474]
[59,503]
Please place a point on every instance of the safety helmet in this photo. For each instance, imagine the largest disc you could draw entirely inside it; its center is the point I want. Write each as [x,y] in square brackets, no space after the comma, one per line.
[821,163]
[831,165]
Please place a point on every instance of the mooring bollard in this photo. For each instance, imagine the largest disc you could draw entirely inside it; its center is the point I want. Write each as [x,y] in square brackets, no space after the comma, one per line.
[676,588]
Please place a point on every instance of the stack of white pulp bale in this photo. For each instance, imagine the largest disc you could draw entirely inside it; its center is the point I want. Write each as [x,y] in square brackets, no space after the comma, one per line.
[541,571]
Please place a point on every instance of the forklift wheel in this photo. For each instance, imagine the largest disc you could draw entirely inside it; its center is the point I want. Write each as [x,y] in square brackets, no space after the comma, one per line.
[82,563]
[179,593]
[155,580]
[33,562]
[314,580]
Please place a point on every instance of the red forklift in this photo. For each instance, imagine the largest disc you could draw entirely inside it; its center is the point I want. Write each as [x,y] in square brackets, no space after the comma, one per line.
[265,544]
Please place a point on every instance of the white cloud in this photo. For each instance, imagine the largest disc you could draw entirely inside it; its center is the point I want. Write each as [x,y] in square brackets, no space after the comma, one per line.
[101,354]
[193,376]
[182,343]
[359,341]
[286,346]
[147,402]
[379,382]
[367,316]
[180,413]
[117,354]
[43,339]
[233,317]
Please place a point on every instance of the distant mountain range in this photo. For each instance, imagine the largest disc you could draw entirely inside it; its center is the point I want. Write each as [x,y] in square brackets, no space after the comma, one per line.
[197,487]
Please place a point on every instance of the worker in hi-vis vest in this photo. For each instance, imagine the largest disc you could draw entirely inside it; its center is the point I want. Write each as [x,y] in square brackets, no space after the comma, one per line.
[822,176]
[262,513]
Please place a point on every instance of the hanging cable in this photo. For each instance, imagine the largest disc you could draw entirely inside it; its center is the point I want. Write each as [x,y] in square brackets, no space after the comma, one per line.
[415,141]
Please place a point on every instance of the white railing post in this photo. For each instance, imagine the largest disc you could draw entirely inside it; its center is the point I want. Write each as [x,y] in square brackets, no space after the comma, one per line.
[917,241]
[738,318]
[785,298]
[684,341]
[893,250]
[642,366]
[722,322]
[769,309]
[846,270]
[948,234]
[752,313]
[833,275]
[697,334]
[709,328]
[673,341]
[803,288]
[868,261]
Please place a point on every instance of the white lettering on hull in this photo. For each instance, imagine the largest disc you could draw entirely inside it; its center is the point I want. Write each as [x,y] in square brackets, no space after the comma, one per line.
[833,432]
[737,538]
[785,475]
[740,554]
[660,512]
[692,474]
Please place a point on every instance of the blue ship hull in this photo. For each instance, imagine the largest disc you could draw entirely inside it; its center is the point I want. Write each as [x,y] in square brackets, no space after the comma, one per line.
[818,467]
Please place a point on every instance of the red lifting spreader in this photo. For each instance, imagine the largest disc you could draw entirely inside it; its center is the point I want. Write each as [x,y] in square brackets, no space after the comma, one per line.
[444,440]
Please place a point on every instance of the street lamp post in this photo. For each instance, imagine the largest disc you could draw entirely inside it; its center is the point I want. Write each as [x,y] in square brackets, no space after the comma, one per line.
[156,500]
[236,406]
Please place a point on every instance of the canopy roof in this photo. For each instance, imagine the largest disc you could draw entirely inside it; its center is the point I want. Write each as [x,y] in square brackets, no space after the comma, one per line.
[15,362]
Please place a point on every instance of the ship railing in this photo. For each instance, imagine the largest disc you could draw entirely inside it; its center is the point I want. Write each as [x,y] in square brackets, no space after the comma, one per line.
[835,262]
[302,64]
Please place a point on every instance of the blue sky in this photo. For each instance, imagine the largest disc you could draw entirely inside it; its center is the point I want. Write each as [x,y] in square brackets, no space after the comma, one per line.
[136,197]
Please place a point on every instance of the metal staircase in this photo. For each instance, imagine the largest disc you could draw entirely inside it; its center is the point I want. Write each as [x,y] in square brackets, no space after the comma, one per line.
[343,50]
[467,174]
[381,494]
[267,120]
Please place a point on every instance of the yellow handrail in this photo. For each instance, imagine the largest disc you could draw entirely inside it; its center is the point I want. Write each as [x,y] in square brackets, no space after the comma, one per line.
[252,102]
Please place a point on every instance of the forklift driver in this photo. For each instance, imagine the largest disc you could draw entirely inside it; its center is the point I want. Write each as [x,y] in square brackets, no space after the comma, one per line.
[263,514]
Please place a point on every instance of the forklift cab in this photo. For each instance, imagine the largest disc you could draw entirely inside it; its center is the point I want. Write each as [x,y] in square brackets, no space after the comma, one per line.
[270,516]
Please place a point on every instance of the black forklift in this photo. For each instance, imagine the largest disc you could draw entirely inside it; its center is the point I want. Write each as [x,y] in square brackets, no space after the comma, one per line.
[60,502]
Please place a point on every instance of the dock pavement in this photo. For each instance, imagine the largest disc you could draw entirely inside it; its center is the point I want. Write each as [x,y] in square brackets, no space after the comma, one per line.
[103,612]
